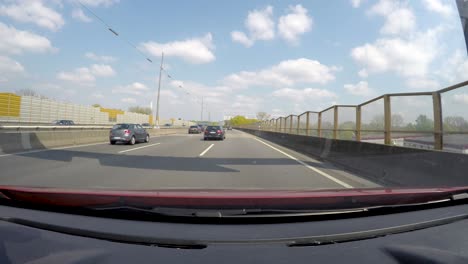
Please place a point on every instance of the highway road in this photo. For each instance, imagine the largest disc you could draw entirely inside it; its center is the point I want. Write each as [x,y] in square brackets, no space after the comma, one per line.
[180,161]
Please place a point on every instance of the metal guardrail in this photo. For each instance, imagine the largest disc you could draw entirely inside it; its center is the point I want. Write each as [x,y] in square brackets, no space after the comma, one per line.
[380,117]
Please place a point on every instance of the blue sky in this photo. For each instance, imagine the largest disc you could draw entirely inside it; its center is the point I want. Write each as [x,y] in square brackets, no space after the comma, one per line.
[280,57]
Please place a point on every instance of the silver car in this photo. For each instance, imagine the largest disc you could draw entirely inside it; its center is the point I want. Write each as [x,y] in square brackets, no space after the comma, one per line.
[128,133]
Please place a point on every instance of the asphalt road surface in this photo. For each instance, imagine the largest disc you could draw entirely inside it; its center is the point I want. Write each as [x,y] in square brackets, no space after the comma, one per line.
[242,161]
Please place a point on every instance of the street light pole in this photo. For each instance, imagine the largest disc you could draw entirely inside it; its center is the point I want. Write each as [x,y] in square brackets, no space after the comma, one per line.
[159,89]
[201,118]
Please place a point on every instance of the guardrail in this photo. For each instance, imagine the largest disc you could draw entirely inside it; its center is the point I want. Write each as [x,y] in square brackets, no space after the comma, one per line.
[431,120]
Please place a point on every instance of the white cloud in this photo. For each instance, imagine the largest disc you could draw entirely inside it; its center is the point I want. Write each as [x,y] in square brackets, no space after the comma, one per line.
[356,3]
[438,7]
[301,95]
[295,23]
[240,37]
[55,91]
[286,73]
[198,89]
[95,57]
[97,95]
[168,94]
[407,57]
[423,84]
[455,69]
[102,70]
[17,41]
[399,19]
[9,65]
[260,26]
[96,3]
[461,98]
[363,73]
[33,11]
[195,50]
[246,103]
[79,75]
[78,14]
[128,100]
[85,75]
[135,88]
[359,89]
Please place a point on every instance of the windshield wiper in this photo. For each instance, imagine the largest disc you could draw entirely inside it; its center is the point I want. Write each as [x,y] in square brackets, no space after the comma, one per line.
[265,213]
[238,213]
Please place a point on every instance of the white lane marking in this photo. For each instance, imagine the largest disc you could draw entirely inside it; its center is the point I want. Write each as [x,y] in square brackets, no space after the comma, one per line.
[58,148]
[206,150]
[326,175]
[127,150]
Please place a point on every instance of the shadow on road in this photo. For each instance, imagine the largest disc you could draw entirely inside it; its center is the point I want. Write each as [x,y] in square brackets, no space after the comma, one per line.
[201,164]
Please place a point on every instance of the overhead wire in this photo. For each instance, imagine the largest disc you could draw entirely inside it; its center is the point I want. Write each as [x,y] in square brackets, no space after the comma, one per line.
[114,32]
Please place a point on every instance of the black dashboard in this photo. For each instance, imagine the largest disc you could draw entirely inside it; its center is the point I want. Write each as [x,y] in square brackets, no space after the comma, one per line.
[33,236]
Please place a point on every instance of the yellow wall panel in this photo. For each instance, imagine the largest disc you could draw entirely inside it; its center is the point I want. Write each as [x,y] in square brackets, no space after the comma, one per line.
[10,104]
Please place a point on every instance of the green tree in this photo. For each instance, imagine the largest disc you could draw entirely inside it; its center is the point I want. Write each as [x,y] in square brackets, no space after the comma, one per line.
[30,92]
[377,123]
[96,105]
[397,120]
[241,120]
[140,110]
[348,125]
[423,123]
[263,116]
[455,123]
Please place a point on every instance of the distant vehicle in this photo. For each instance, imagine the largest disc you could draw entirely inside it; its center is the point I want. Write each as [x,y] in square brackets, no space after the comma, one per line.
[147,125]
[229,128]
[63,122]
[167,125]
[202,128]
[194,130]
[128,133]
[214,132]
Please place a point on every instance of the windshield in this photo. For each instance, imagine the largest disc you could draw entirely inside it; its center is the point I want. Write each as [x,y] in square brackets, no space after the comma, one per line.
[234,96]
[121,126]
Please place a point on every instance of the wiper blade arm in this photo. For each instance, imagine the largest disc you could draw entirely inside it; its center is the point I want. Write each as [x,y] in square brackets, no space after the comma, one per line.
[226,213]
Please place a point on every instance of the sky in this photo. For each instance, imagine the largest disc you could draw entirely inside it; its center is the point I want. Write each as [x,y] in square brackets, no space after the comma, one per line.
[280,57]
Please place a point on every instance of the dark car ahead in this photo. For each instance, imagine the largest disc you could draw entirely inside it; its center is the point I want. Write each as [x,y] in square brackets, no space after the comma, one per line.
[128,133]
[147,125]
[214,132]
[194,130]
[63,122]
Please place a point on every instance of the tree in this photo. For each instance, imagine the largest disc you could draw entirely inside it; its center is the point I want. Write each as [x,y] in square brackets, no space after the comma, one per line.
[96,105]
[348,125]
[27,92]
[423,123]
[263,116]
[397,120]
[377,123]
[455,123]
[30,92]
[241,120]
[140,110]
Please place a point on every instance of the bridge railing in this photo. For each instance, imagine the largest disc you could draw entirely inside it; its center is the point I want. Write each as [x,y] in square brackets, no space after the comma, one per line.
[432,120]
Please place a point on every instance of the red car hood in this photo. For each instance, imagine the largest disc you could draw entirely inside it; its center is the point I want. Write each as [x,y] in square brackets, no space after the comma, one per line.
[310,199]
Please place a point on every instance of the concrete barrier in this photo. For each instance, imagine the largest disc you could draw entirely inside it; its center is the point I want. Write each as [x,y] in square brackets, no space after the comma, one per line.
[12,140]
[390,166]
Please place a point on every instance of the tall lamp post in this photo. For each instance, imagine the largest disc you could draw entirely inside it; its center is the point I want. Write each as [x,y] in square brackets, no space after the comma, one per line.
[159,89]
